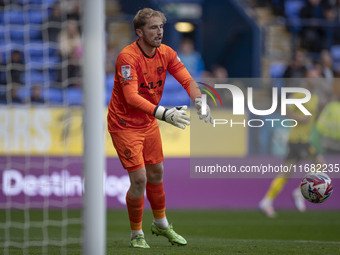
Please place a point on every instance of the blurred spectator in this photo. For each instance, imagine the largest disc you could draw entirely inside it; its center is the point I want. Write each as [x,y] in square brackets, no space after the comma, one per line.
[2,71]
[52,26]
[36,95]
[15,69]
[329,124]
[15,98]
[332,13]
[190,58]
[326,62]
[334,5]
[322,88]
[69,39]
[111,56]
[313,37]
[11,97]
[278,7]
[14,4]
[220,72]
[70,48]
[71,9]
[300,148]
[297,68]
[74,70]
[220,76]
[75,12]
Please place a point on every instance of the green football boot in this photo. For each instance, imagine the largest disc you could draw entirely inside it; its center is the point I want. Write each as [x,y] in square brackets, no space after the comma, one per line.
[139,242]
[169,233]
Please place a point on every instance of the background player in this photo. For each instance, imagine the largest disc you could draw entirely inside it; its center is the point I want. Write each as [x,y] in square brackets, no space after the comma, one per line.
[299,147]
[138,86]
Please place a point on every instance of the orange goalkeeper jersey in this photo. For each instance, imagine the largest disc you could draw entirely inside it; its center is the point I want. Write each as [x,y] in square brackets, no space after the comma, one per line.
[139,82]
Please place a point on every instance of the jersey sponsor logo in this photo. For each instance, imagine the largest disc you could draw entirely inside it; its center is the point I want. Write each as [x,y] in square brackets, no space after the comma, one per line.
[151,85]
[126,71]
[160,70]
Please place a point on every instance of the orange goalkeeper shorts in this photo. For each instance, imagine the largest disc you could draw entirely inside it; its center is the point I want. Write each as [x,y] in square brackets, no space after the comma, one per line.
[138,147]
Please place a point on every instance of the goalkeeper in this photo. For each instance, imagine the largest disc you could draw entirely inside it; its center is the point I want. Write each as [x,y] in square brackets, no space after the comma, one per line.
[132,120]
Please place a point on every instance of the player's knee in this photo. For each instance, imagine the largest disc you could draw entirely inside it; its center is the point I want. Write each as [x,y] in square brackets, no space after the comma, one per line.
[139,182]
[155,174]
[155,177]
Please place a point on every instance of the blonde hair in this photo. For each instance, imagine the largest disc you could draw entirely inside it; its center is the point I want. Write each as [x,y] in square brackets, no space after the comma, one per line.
[144,14]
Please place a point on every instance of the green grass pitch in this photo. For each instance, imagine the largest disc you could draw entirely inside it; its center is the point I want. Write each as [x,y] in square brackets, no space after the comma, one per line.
[207,232]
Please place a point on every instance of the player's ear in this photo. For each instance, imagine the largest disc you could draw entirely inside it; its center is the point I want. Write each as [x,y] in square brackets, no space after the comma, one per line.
[139,32]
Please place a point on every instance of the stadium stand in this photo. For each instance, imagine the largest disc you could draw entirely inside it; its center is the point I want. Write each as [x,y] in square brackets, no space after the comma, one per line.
[25,27]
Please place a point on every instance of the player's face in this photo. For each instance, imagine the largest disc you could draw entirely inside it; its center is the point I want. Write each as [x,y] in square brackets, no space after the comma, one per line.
[152,32]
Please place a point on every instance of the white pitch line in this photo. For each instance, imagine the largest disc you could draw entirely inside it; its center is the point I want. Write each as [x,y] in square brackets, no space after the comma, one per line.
[274,240]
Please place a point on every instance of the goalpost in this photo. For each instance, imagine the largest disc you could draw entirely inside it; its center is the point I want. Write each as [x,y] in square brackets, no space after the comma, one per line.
[94,200]
[44,169]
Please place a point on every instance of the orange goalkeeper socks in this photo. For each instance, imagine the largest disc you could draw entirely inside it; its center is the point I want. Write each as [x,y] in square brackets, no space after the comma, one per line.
[156,197]
[135,209]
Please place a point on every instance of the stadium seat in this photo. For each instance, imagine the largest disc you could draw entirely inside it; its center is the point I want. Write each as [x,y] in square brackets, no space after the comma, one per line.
[276,69]
[53,73]
[292,13]
[37,2]
[23,2]
[40,2]
[107,96]
[335,53]
[2,33]
[9,46]
[172,85]
[41,49]
[44,62]
[51,2]
[24,92]
[35,33]
[2,18]
[108,87]
[293,7]
[3,97]
[109,81]
[36,49]
[175,98]
[53,50]
[34,76]
[37,16]
[74,96]
[53,95]
[181,99]
[14,17]
[19,33]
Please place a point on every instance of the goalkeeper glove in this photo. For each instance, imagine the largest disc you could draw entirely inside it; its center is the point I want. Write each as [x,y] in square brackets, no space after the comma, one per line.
[207,117]
[176,116]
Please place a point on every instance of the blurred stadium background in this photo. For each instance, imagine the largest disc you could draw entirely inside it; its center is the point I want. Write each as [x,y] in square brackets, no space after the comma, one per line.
[41,132]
